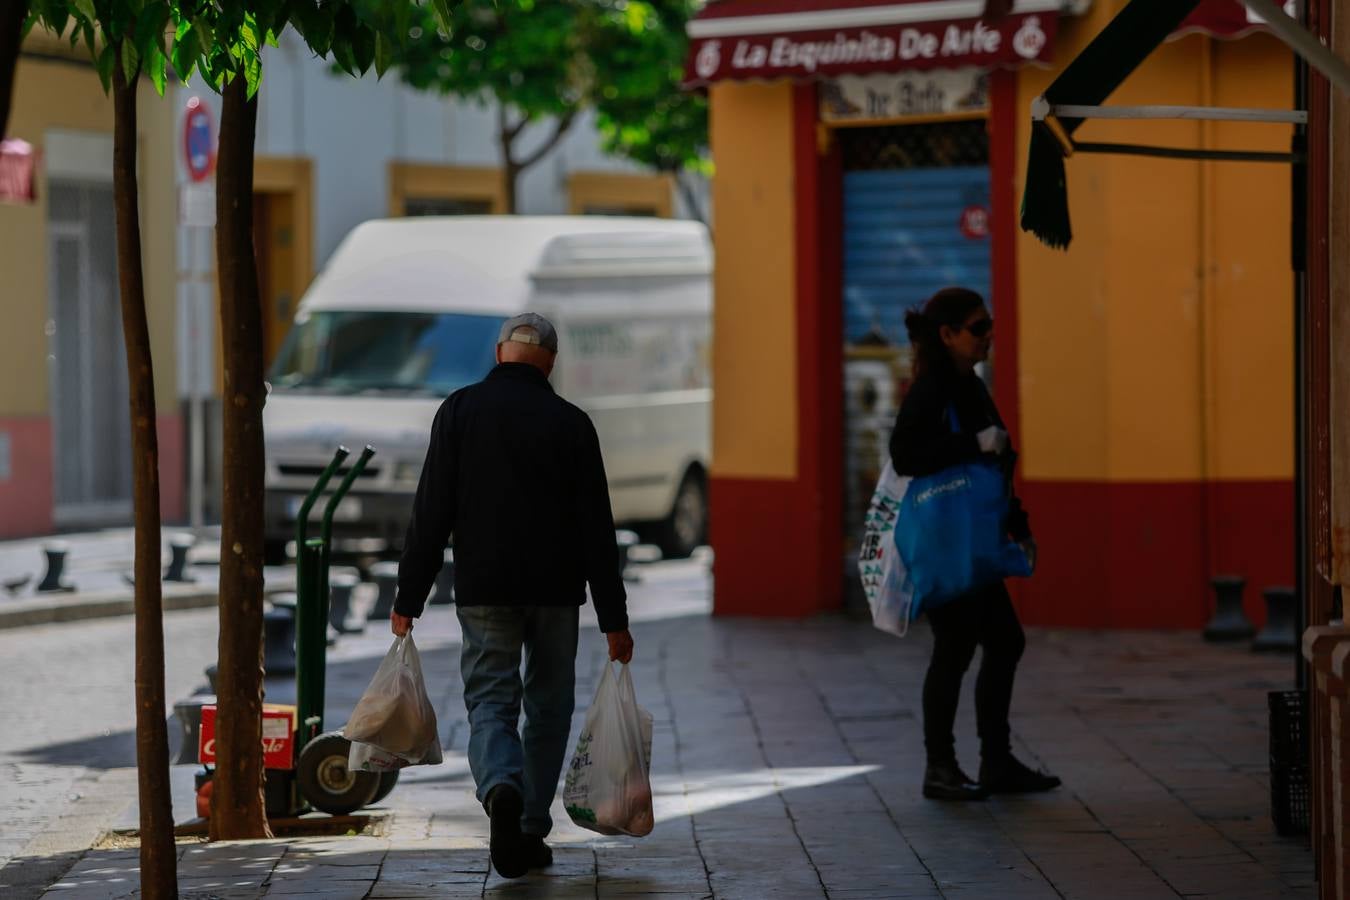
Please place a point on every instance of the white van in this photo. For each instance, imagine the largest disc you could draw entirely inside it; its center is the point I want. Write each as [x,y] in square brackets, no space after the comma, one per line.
[407,311]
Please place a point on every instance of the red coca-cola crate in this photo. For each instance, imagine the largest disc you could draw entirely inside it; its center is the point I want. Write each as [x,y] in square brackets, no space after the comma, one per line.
[278,736]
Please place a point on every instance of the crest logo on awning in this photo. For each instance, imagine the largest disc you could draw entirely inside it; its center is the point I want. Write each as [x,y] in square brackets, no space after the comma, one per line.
[1030,39]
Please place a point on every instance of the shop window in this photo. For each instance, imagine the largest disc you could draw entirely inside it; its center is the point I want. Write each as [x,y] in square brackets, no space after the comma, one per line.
[423,189]
[446,206]
[620,194]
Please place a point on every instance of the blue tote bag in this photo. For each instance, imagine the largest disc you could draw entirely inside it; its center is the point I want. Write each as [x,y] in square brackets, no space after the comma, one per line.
[951,533]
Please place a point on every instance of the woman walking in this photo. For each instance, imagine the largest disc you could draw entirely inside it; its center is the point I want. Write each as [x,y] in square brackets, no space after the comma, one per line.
[948,418]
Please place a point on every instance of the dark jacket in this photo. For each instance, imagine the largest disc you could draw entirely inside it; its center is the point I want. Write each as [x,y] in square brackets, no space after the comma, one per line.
[924,442]
[515,473]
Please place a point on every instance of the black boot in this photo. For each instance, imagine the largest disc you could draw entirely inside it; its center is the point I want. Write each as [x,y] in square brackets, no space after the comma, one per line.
[537,853]
[946,781]
[504,807]
[1006,775]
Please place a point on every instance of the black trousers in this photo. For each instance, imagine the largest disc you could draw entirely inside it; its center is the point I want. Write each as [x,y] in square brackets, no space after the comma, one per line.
[985,619]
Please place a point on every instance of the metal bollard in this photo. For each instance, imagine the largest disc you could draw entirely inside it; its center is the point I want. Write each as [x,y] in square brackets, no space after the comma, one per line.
[386,579]
[1280,631]
[179,545]
[188,712]
[279,636]
[340,588]
[54,580]
[1230,623]
[445,581]
[626,540]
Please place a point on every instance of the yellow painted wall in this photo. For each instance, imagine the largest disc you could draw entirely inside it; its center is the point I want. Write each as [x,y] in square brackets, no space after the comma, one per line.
[52,94]
[1158,348]
[754,318]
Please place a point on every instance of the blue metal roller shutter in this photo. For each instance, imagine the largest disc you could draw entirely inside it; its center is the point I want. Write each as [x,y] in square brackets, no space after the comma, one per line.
[903,241]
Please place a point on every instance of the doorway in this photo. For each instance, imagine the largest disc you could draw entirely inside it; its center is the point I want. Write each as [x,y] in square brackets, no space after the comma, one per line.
[91,427]
[916,219]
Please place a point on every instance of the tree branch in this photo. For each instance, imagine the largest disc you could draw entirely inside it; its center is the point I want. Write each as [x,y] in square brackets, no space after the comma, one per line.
[559,129]
[507,131]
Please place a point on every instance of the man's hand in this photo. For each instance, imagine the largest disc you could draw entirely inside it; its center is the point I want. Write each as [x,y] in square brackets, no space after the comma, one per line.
[620,645]
[401,624]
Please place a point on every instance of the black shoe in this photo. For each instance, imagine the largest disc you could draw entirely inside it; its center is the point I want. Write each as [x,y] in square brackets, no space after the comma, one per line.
[1009,776]
[946,781]
[537,853]
[504,807]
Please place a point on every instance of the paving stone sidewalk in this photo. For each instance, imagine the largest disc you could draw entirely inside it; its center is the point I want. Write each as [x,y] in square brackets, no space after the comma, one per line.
[787,763]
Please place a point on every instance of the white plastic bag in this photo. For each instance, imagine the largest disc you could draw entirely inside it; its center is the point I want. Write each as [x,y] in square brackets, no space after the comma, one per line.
[608,787]
[394,723]
[890,595]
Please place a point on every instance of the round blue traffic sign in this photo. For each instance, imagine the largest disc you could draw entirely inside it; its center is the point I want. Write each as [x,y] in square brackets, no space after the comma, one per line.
[199,144]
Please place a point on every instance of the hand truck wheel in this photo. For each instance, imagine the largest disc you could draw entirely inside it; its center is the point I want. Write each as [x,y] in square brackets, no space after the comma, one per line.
[387,782]
[326,782]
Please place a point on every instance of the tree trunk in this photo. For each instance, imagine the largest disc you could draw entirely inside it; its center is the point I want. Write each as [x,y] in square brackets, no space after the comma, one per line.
[159,865]
[237,810]
[12,16]
[511,177]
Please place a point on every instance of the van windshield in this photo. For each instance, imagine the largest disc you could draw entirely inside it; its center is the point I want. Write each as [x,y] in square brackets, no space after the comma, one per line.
[357,351]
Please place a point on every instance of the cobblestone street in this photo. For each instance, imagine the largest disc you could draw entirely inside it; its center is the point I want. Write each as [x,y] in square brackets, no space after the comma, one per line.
[787,763]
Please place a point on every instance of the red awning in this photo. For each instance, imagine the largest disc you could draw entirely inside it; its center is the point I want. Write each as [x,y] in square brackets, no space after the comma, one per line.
[743,39]
[18,178]
[1227,19]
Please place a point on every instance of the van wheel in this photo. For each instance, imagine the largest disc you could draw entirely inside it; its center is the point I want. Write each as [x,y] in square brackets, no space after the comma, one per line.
[687,525]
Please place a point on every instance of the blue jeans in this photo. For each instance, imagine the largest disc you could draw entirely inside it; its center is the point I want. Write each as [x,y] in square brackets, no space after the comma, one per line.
[528,759]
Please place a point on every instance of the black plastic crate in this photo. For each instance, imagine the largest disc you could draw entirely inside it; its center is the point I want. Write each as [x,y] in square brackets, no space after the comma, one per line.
[1288,728]
[1290,782]
[1290,800]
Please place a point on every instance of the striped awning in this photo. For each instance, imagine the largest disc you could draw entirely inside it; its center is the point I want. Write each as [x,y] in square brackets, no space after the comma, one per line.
[768,39]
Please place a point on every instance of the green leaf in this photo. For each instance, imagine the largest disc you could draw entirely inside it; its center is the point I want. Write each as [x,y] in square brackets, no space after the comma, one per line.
[187,51]
[253,72]
[384,55]
[85,9]
[131,61]
[315,25]
[206,35]
[106,60]
[149,31]
[29,21]
[156,66]
[444,13]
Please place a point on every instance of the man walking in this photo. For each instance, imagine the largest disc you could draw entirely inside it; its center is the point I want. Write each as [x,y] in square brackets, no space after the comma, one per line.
[515,473]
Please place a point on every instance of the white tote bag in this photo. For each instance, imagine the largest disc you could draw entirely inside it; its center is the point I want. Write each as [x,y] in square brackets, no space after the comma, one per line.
[890,595]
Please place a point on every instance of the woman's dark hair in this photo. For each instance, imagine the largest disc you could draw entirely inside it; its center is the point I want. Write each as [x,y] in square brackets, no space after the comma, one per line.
[951,307]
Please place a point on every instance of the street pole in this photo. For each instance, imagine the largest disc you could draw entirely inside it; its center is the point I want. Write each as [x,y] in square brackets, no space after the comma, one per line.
[200,349]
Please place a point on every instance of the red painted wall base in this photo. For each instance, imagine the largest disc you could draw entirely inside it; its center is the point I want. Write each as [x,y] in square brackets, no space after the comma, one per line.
[768,558]
[1131,555]
[1122,555]
[26,493]
[26,496]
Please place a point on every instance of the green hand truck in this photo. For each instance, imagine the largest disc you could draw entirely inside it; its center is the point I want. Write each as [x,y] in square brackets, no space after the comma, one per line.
[321,772]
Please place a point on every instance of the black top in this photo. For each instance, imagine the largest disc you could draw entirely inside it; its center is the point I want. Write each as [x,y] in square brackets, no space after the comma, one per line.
[924,441]
[515,473]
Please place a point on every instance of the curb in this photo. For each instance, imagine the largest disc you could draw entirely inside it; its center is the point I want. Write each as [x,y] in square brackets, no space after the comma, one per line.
[107,604]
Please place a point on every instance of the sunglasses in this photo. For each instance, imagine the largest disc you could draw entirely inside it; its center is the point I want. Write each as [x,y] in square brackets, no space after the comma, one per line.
[981,328]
